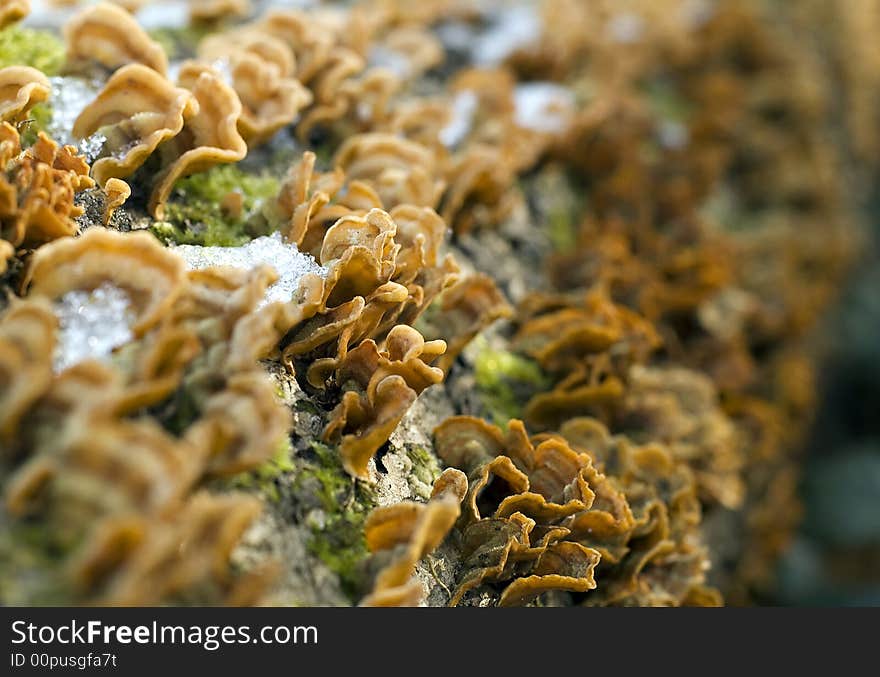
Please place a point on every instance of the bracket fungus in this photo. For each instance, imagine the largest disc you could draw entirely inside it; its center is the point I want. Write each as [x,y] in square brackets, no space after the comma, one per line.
[210,137]
[379,388]
[108,35]
[217,10]
[261,70]
[12,11]
[665,193]
[116,192]
[21,88]
[152,275]
[542,515]
[135,112]
[400,535]
[38,189]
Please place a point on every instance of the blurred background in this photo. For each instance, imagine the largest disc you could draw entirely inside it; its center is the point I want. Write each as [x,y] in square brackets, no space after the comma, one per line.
[835,557]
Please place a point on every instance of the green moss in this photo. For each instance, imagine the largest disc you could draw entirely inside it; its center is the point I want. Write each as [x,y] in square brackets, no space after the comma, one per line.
[667,102]
[561,229]
[40,117]
[338,538]
[30,572]
[193,215]
[506,381]
[560,205]
[179,43]
[263,478]
[425,469]
[29,47]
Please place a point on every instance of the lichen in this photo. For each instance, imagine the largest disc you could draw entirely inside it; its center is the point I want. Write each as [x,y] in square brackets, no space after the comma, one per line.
[505,381]
[337,524]
[194,214]
[425,470]
[29,47]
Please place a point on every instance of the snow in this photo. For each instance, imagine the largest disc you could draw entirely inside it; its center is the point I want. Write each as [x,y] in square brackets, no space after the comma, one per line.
[70,95]
[673,135]
[163,15]
[512,29]
[44,15]
[290,264]
[396,62]
[91,324]
[543,106]
[463,108]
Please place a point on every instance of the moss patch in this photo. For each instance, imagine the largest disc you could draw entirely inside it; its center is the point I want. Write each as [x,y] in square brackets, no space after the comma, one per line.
[506,381]
[40,117]
[266,478]
[559,206]
[425,469]
[337,524]
[179,43]
[30,574]
[28,47]
[194,214]
[561,229]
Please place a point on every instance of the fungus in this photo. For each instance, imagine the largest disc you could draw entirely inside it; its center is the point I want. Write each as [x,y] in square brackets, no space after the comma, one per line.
[38,189]
[108,35]
[12,11]
[467,308]
[21,88]
[261,72]
[400,535]
[542,515]
[215,10]
[379,388]
[116,193]
[136,111]
[152,276]
[208,138]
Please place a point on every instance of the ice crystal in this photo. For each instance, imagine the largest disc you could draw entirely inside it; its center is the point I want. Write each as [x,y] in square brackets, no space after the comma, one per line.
[290,264]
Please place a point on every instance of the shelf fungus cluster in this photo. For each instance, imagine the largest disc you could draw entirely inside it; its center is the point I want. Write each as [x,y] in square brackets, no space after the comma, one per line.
[394,303]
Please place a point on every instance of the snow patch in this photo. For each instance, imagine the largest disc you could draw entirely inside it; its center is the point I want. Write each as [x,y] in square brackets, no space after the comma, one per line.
[91,324]
[463,108]
[70,95]
[396,62]
[44,14]
[543,107]
[163,15]
[290,263]
[512,29]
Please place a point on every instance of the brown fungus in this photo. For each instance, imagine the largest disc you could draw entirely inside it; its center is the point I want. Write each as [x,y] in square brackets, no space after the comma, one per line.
[400,535]
[116,192]
[152,276]
[208,138]
[12,11]
[136,111]
[21,88]
[207,11]
[379,387]
[108,35]
[261,70]
[38,189]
